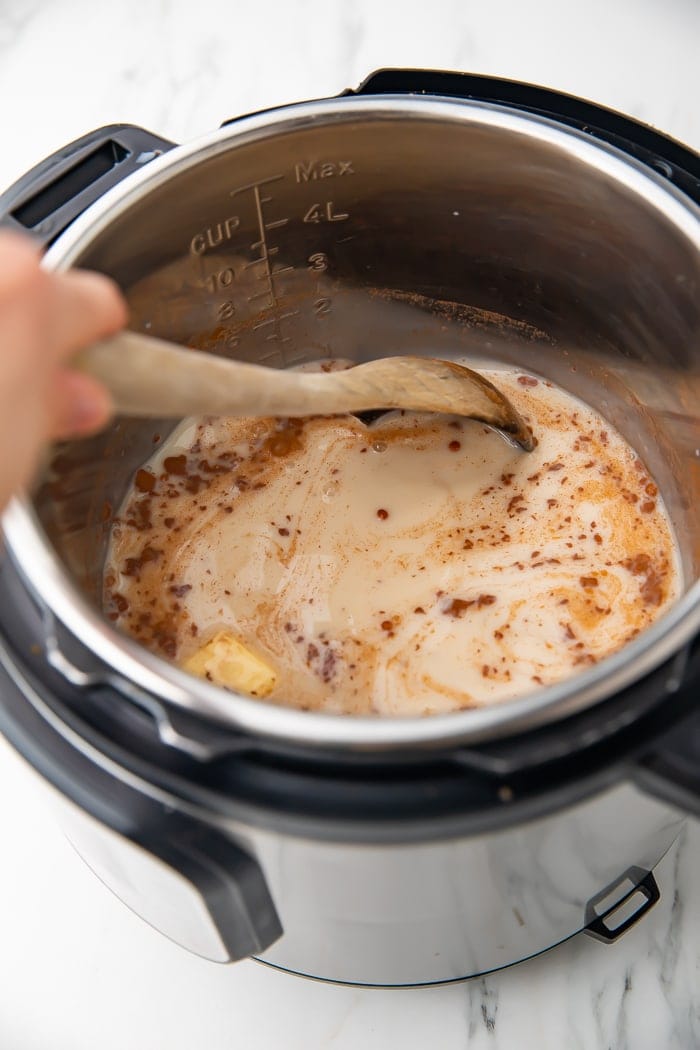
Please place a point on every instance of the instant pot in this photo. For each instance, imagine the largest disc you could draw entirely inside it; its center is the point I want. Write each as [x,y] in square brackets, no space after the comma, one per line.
[424,213]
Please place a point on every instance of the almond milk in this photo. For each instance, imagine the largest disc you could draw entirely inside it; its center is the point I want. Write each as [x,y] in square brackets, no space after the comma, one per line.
[416,566]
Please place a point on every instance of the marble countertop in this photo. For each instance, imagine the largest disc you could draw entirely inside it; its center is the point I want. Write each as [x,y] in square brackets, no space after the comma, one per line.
[77,970]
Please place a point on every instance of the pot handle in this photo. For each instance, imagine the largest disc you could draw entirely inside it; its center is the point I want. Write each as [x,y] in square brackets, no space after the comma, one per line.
[239,917]
[667,157]
[607,921]
[187,879]
[46,200]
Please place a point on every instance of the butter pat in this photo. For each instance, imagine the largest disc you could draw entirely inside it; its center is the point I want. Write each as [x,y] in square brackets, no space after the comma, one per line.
[226,662]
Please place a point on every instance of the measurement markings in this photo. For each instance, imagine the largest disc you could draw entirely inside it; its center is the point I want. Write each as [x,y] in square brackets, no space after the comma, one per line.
[266,273]
[275,319]
[276,324]
[297,357]
[263,247]
[269,357]
[255,185]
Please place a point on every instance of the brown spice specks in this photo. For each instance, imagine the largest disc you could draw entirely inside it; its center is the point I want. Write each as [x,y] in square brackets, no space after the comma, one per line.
[180,589]
[144,481]
[515,528]
[457,607]
[653,586]
[175,465]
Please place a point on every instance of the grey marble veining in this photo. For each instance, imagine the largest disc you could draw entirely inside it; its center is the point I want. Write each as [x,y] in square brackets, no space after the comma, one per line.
[179,68]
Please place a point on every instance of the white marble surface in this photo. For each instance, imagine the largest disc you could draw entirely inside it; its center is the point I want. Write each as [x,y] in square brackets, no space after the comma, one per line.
[77,970]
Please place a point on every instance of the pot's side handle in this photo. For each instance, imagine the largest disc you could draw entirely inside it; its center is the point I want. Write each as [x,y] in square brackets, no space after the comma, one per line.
[44,201]
[186,878]
[664,155]
[230,884]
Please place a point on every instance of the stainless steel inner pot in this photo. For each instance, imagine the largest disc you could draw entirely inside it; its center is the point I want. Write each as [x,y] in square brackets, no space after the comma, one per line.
[364,227]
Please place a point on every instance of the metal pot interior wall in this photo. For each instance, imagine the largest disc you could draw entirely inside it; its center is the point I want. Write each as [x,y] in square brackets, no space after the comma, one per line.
[403,232]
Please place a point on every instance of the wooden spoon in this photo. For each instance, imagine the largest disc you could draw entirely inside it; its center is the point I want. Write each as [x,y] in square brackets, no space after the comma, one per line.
[154,378]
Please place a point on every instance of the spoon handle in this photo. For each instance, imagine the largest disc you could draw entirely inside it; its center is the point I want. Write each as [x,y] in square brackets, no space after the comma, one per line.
[155,378]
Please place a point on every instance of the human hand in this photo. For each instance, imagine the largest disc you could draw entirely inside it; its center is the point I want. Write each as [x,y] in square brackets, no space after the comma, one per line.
[45,318]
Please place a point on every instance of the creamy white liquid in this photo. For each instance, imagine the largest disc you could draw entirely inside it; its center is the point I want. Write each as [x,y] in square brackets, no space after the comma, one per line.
[417,566]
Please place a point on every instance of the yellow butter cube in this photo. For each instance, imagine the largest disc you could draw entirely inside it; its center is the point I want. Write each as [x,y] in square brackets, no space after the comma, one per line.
[225,661]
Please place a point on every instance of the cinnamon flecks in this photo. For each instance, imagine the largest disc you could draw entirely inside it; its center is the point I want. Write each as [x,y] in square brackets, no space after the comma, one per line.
[654,577]
[449,572]
[457,607]
[144,481]
[180,589]
[175,465]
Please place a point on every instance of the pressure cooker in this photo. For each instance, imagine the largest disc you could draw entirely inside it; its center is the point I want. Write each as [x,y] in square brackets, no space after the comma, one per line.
[420,213]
